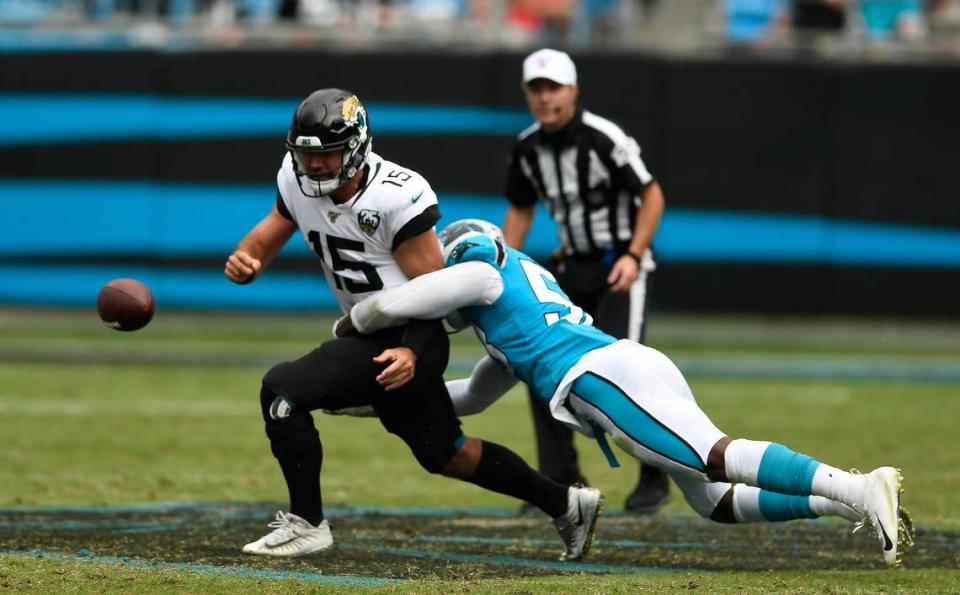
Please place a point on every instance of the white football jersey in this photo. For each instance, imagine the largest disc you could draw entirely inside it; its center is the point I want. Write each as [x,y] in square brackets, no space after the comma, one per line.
[355,240]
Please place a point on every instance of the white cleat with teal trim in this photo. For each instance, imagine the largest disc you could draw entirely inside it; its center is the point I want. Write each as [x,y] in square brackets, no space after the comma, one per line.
[881,508]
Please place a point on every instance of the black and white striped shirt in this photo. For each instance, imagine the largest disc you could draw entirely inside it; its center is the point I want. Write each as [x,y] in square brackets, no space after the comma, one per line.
[590,177]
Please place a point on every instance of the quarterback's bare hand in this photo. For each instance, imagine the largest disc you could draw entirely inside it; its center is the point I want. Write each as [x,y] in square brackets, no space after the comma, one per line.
[401,369]
[242,268]
[624,272]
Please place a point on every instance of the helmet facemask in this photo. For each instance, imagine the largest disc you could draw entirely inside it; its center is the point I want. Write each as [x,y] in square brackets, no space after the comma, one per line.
[353,157]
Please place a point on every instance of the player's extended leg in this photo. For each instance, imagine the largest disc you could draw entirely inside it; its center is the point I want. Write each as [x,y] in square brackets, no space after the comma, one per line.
[638,396]
[422,414]
[739,503]
[339,373]
[774,467]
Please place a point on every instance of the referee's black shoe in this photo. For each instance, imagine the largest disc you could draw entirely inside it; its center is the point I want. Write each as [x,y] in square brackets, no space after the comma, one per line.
[651,493]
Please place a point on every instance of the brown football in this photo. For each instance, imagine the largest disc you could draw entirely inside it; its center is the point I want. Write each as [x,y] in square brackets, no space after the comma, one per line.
[125,304]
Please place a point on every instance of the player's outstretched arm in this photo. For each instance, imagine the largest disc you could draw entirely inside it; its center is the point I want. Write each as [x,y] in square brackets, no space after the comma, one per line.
[488,382]
[433,295]
[258,247]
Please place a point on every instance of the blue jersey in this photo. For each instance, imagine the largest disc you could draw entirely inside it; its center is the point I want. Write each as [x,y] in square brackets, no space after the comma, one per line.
[533,327]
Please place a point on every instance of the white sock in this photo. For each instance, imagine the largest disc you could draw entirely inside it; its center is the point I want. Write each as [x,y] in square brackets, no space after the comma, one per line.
[741,460]
[826,507]
[835,484]
[746,504]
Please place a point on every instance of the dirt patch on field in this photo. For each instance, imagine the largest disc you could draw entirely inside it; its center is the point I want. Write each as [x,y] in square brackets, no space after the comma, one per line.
[398,544]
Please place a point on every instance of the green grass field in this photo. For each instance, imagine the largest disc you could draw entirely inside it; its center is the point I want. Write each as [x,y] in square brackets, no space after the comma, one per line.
[95,418]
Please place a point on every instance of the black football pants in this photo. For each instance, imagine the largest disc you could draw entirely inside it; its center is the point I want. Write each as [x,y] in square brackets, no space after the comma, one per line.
[341,373]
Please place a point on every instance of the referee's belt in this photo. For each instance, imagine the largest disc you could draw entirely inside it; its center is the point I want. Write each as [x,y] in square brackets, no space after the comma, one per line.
[595,256]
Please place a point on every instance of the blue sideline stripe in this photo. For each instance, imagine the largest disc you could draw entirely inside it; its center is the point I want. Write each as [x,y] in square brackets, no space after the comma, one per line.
[259,508]
[634,421]
[157,507]
[872,368]
[474,539]
[208,569]
[56,119]
[515,562]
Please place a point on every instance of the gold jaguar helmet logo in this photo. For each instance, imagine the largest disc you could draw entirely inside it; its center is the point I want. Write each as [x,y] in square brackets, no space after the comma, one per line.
[351,108]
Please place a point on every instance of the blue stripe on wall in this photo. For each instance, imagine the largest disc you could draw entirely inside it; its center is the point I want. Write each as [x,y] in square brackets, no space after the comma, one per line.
[172,220]
[79,285]
[45,119]
[208,219]
[689,235]
[31,41]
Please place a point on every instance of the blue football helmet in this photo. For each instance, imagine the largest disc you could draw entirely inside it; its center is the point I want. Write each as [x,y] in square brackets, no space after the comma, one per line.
[475,235]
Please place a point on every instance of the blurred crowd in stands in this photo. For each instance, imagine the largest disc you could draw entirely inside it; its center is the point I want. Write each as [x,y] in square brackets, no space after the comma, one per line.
[751,24]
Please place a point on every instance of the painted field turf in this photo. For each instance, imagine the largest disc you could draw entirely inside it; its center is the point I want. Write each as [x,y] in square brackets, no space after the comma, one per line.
[101,429]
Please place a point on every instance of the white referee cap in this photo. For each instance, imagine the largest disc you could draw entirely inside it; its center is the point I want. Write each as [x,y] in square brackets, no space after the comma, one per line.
[549,64]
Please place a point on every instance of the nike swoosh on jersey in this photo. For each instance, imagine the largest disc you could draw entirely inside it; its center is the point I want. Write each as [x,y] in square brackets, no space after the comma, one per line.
[416,198]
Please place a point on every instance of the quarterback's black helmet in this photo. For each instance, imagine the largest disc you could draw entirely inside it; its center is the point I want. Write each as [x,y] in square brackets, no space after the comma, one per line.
[329,120]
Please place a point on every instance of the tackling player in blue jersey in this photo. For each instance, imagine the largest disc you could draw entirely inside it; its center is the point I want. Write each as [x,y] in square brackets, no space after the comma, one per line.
[599,385]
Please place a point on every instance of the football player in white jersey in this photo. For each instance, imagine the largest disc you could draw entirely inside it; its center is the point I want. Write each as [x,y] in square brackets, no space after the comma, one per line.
[371,223]
[598,385]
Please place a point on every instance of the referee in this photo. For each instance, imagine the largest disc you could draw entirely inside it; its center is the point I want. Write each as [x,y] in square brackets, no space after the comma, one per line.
[607,207]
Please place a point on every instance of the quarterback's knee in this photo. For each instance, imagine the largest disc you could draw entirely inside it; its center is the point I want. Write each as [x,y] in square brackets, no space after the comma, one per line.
[450,461]
[274,404]
[277,377]
[433,462]
[290,430]
[463,464]
[293,436]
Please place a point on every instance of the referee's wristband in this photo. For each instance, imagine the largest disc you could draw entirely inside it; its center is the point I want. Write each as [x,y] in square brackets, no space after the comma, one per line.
[637,259]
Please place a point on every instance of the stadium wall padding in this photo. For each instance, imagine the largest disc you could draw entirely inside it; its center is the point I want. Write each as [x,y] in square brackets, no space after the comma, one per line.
[792,185]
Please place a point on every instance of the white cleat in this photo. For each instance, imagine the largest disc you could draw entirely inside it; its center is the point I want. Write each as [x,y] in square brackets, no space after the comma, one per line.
[292,536]
[881,507]
[577,525]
